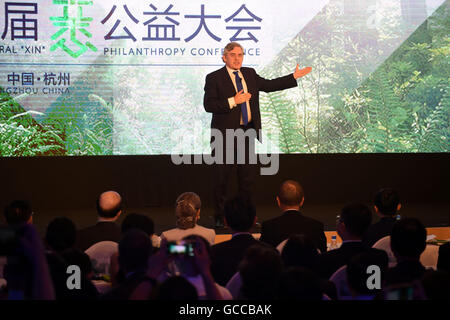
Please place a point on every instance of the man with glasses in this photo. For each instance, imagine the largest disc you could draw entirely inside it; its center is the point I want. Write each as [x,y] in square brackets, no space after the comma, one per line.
[351,224]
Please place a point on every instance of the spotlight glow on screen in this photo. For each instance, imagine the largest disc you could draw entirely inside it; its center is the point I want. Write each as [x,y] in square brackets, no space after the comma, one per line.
[126,77]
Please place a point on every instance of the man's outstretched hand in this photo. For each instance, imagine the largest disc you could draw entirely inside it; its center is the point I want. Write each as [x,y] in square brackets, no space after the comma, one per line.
[298,73]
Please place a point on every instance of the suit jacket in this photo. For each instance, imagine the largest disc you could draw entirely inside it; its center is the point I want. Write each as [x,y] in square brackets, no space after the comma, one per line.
[124,290]
[405,272]
[332,260]
[58,265]
[219,87]
[226,256]
[102,231]
[378,230]
[276,230]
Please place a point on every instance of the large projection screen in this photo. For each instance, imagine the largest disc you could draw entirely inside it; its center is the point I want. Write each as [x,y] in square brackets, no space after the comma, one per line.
[101,77]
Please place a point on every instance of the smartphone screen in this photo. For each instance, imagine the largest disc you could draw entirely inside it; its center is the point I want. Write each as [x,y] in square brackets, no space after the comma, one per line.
[406,293]
[186,248]
[177,248]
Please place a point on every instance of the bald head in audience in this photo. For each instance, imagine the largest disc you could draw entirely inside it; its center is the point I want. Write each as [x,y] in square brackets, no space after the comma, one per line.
[109,205]
[290,196]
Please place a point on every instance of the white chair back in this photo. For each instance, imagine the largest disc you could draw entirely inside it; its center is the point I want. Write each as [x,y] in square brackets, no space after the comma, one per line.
[234,285]
[100,254]
[385,245]
[281,245]
[429,256]
[339,278]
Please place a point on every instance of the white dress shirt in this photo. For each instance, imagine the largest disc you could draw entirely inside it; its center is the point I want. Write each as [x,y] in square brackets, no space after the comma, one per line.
[231,101]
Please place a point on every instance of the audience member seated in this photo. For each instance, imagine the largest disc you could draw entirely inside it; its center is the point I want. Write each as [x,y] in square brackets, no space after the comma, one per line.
[386,205]
[300,251]
[260,271]
[436,285]
[135,249]
[176,288]
[240,217]
[142,222]
[27,272]
[297,283]
[358,275]
[187,213]
[290,199]
[443,263]
[60,238]
[109,208]
[408,241]
[131,221]
[18,212]
[81,259]
[352,223]
[195,268]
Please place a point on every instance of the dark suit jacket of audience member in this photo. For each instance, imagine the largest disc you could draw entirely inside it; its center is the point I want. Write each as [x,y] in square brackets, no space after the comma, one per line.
[405,272]
[124,290]
[226,256]
[331,261]
[276,230]
[102,231]
[58,271]
[378,230]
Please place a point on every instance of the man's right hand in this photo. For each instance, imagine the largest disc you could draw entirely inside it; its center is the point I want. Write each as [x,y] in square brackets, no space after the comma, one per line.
[242,97]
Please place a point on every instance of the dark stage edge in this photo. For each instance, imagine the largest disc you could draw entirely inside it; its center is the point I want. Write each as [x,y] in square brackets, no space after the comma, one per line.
[431,215]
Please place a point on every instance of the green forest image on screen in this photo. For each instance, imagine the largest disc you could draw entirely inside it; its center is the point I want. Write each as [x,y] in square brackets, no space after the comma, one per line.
[367,93]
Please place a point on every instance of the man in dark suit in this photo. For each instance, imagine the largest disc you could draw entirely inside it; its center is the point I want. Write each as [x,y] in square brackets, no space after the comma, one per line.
[408,242]
[232,96]
[240,216]
[386,205]
[290,199]
[351,225]
[109,208]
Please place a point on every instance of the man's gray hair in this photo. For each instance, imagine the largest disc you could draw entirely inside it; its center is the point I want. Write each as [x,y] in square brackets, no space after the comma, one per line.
[229,47]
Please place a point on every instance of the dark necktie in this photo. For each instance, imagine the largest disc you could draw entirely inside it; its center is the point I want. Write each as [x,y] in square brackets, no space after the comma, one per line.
[243,105]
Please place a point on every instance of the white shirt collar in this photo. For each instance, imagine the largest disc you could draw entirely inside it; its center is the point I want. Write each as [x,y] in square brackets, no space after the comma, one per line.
[230,72]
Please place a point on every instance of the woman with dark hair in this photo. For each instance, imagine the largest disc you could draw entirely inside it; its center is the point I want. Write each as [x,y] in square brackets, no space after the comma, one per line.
[187,213]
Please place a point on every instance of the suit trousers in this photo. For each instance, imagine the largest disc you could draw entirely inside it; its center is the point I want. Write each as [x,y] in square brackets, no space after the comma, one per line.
[246,172]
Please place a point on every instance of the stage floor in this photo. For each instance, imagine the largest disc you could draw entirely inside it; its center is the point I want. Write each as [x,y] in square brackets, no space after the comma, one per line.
[431,215]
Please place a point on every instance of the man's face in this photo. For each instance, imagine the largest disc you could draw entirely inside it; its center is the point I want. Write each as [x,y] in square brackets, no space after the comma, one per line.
[233,59]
